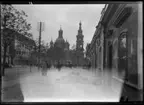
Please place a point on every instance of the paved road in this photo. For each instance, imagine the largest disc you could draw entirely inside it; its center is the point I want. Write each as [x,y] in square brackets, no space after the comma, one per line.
[75,84]
[66,85]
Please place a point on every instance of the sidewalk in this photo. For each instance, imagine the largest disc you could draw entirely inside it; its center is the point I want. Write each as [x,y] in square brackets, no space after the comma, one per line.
[11,90]
[12,94]
[128,90]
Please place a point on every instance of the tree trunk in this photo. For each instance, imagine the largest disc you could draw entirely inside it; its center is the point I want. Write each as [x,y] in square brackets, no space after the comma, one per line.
[4,59]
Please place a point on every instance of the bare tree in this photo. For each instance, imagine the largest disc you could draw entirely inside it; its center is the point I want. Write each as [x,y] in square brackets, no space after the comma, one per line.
[12,21]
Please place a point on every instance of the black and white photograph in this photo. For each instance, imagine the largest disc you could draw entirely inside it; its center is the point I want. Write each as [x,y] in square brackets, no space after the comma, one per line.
[72,52]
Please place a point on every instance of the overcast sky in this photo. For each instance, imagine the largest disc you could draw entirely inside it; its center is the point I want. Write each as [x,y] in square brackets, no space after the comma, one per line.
[68,16]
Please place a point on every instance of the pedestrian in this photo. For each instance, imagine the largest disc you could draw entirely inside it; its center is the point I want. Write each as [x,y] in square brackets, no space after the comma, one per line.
[70,65]
[48,65]
[89,65]
[59,65]
[30,66]
[44,68]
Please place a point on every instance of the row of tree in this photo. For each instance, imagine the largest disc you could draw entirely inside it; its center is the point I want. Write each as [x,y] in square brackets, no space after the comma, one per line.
[15,20]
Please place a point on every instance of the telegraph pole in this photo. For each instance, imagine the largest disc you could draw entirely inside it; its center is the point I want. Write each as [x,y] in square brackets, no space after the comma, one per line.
[39,44]
[40,29]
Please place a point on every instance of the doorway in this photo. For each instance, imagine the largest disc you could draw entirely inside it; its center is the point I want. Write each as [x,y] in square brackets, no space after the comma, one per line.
[110,57]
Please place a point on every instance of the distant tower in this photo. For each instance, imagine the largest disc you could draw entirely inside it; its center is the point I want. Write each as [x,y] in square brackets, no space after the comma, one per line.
[79,47]
[51,44]
[60,33]
[67,45]
[67,55]
[79,42]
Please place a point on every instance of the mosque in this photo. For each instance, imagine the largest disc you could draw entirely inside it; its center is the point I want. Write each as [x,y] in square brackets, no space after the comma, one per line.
[75,57]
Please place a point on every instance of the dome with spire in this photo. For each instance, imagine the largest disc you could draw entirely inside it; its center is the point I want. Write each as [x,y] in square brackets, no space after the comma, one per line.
[80,28]
[60,40]
[67,42]
[51,42]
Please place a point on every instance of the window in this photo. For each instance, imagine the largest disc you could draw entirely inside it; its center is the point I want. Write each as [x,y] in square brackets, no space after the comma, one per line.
[123,40]
[133,47]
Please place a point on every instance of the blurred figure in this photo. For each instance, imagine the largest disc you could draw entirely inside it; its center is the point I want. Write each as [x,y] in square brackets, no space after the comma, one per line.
[59,66]
[39,66]
[48,65]
[30,66]
[70,65]
[89,65]
[44,68]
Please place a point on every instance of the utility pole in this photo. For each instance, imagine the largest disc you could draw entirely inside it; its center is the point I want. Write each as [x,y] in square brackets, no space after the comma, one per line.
[39,44]
[40,29]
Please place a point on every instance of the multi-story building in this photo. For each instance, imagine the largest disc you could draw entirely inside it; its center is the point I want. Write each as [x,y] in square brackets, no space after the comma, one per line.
[19,49]
[122,40]
[23,46]
[120,33]
[95,49]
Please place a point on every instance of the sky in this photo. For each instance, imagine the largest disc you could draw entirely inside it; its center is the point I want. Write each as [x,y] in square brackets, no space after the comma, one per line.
[68,16]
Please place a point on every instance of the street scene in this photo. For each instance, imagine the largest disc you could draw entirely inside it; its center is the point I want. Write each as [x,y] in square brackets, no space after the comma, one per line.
[72,53]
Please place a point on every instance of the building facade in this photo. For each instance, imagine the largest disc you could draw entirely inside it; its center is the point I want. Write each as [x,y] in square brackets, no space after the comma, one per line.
[19,49]
[121,45]
[62,45]
[22,48]
[118,43]
[76,56]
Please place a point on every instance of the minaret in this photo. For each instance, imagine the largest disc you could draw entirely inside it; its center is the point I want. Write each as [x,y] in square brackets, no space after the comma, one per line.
[60,32]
